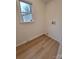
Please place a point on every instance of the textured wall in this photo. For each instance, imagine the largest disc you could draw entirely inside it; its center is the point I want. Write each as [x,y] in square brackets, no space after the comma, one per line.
[25,32]
[54,13]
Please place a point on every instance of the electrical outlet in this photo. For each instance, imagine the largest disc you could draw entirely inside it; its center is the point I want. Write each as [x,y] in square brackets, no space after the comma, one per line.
[53,22]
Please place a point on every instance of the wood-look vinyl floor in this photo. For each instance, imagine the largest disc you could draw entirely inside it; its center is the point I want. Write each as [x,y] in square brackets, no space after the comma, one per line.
[43,47]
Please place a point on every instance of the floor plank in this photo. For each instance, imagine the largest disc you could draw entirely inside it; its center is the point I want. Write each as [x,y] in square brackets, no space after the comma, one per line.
[42,47]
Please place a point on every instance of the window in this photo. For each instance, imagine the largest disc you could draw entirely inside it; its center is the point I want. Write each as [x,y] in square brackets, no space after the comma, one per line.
[26,11]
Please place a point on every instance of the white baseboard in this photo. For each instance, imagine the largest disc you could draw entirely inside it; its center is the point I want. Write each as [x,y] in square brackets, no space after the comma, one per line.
[29,39]
[52,37]
[59,55]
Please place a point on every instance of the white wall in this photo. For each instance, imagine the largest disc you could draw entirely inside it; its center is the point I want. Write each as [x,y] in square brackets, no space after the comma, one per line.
[25,32]
[54,12]
[43,14]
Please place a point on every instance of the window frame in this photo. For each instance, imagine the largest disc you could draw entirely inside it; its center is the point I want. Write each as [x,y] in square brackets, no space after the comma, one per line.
[21,17]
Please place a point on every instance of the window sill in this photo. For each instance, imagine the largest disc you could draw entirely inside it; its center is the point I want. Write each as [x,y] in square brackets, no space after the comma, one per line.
[26,22]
